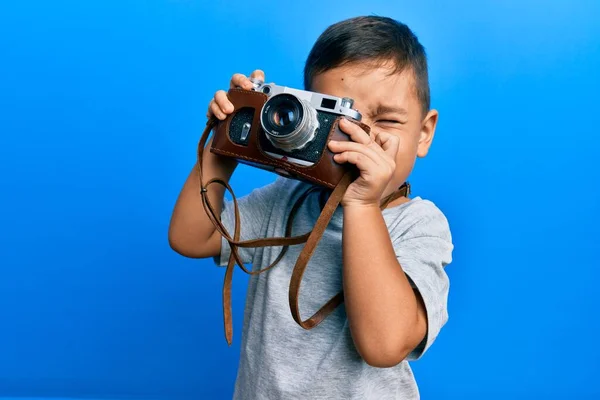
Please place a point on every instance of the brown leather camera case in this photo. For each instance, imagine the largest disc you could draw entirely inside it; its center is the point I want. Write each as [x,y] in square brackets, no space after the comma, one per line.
[325,172]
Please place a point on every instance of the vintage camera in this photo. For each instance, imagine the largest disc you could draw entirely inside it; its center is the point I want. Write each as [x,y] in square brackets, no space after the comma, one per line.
[286,130]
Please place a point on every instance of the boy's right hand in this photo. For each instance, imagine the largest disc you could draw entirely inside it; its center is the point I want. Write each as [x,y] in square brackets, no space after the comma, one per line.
[220,106]
[191,231]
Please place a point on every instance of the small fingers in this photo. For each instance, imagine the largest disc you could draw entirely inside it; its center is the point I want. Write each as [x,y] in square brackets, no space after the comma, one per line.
[223,102]
[240,80]
[339,147]
[214,109]
[362,162]
[258,74]
[389,143]
[220,106]
[356,133]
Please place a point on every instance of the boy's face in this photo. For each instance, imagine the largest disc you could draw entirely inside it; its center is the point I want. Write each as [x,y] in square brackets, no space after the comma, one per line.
[388,102]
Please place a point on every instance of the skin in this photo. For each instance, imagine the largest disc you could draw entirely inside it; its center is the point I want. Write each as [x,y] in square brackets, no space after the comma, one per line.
[386,316]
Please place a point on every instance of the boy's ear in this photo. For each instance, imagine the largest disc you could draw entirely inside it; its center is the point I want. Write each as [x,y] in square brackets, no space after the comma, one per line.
[427,132]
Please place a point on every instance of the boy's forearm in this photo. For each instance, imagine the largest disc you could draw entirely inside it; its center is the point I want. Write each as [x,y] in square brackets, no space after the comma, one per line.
[384,313]
[190,227]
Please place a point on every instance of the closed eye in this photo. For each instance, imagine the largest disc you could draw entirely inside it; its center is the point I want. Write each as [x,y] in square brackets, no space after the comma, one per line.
[390,121]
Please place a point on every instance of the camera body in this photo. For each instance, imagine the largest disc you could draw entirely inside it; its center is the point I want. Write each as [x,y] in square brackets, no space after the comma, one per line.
[286,131]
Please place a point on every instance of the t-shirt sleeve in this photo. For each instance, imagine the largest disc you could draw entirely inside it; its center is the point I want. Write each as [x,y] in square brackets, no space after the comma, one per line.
[254,208]
[423,251]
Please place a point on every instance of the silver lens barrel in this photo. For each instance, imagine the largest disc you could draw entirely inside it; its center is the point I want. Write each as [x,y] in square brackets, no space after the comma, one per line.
[302,135]
[300,113]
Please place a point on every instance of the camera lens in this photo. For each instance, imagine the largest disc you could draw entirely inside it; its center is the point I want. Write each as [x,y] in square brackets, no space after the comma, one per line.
[284,116]
[289,123]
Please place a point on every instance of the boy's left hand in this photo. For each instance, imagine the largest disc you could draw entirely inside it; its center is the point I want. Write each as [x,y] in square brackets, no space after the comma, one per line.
[375,157]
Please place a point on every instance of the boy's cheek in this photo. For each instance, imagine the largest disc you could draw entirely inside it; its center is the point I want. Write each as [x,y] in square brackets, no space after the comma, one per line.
[408,145]
[405,159]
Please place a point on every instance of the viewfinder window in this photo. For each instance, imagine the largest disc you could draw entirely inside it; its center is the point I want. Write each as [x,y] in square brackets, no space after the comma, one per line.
[328,103]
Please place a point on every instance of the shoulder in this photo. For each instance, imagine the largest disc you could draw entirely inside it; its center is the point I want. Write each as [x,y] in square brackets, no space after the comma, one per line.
[279,192]
[286,188]
[279,186]
[417,218]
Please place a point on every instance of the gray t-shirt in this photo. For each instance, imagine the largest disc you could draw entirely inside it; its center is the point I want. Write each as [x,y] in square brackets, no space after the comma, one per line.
[281,360]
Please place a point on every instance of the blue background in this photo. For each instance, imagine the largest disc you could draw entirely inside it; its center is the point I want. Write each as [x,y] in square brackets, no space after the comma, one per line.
[101,107]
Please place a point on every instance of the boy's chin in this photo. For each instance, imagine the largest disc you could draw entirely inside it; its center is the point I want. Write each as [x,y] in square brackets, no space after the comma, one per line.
[393,186]
[400,177]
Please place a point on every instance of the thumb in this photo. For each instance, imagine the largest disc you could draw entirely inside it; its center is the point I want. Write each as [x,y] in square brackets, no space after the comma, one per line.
[389,143]
[258,74]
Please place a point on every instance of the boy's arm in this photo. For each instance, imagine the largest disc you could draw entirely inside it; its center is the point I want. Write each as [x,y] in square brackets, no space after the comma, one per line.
[191,233]
[395,289]
[387,316]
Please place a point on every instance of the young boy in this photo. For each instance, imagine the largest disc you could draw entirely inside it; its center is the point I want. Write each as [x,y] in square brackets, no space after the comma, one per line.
[390,263]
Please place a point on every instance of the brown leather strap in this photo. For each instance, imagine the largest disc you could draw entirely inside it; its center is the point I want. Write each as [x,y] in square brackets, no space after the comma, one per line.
[311,238]
[308,250]
[234,242]
[306,254]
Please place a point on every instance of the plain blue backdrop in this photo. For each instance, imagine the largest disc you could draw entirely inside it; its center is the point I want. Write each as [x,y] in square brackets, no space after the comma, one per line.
[101,107]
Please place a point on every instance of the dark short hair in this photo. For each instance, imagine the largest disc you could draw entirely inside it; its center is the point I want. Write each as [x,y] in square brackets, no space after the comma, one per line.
[370,39]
